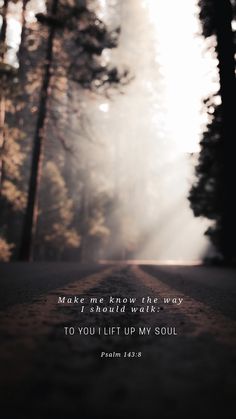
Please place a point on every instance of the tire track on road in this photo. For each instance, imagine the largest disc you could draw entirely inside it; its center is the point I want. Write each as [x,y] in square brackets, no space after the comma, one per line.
[25,325]
[204,318]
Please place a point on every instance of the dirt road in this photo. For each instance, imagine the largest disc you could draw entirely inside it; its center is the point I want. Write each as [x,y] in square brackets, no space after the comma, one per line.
[117,341]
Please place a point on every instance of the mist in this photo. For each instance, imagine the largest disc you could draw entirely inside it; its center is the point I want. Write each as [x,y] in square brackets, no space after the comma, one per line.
[145,139]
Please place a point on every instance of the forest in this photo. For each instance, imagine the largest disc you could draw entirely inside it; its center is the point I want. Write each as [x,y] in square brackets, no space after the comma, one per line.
[62,194]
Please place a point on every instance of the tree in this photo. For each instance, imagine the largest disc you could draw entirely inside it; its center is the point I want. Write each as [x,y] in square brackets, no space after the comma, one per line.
[83,41]
[5,71]
[56,232]
[11,157]
[31,208]
[213,194]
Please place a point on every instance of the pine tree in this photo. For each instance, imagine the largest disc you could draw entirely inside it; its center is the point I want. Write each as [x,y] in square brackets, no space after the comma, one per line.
[213,194]
[82,38]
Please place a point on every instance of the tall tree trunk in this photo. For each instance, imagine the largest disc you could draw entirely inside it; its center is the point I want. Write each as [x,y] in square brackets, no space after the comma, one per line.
[30,220]
[22,35]
[3,34]
[84,214]
[2,134]
[225,51]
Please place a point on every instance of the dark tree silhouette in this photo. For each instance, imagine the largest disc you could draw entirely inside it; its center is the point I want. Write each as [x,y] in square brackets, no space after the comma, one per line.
[31,209]
[3,28]
[213,194]
[4,78]
[205,195]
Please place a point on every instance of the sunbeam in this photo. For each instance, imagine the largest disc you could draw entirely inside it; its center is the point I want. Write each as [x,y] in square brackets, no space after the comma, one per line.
[154,128]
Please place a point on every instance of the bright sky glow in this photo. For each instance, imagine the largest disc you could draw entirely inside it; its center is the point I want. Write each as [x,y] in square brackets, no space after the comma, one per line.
[14,25]
[13,32]
[104,107]
[102,11]
[33,7]
[187,71]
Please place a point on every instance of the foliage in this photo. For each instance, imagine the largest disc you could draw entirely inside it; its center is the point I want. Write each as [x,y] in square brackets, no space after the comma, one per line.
[212,195]
[56,216]
[205,194]
[5,250]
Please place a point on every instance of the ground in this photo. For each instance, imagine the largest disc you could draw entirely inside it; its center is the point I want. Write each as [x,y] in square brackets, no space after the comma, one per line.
[45,373]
